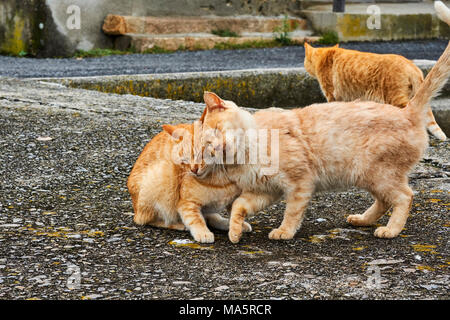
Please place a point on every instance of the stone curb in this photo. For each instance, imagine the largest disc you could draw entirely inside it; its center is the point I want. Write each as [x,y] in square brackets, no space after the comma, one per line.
[256,88]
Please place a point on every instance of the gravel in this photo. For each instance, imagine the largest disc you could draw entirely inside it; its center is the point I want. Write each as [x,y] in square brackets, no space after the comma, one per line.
[66,229]
[211,60]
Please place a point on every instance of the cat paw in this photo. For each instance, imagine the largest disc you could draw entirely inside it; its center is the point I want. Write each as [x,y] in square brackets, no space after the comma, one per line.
[280,234]
[246,227]
[203,237]
[384,232]
[357,220]
[440,135]
[234,236]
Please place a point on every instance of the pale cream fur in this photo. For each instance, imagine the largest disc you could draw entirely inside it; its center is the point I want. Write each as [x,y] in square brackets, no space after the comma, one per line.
[369,145]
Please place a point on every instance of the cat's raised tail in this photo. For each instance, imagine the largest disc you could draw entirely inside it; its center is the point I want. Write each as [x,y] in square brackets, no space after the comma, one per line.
[436,78]
[442,11]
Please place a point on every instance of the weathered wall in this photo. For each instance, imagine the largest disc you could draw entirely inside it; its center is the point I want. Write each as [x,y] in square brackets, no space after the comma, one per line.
[19,28]
[353,26]
[27,28]
[60,27]
[217,7]
[63,30]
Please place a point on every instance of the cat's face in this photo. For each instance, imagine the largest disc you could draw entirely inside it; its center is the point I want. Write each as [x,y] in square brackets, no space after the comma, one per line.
[185,150]
[194,147]
[222,124]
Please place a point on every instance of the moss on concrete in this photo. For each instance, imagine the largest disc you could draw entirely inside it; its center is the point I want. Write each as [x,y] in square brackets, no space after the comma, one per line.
[14,43]
[247,89]
[21,33]
[283,88]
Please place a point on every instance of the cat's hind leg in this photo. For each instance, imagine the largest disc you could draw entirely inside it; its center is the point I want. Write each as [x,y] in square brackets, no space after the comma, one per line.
[401,200]
[216,221]
[162,224]
[146,215]
[368,218]
[433,127]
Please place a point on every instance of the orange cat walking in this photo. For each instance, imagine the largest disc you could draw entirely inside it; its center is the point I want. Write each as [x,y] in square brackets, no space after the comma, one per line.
[166,194]
[347,75]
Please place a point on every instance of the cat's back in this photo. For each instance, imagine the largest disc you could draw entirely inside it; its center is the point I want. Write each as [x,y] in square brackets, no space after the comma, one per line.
[384,78]
[369,59]
[348,139]
[348,116]
[360,126]
[153,169]
[275,118]
[153,151]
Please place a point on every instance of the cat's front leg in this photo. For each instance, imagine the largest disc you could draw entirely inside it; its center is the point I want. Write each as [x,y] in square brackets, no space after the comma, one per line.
[247,203]
[192,218]
[296,204]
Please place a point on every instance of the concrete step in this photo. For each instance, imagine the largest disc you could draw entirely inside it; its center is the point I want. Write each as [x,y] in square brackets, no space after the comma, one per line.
[380,21]
[120,25]
[193,33]
[199,41]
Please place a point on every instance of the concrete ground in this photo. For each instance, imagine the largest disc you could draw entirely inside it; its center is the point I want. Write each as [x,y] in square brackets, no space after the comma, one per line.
[66,229]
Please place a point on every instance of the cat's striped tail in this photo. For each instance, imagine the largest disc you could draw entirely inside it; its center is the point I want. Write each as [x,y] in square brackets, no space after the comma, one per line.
[436,78]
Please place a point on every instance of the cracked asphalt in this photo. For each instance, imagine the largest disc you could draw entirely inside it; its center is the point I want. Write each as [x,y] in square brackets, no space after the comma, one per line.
[66,229]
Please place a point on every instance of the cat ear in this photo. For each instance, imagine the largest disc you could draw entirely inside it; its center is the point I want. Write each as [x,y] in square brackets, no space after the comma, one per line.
[175,132]
[213,102]
[202,118]
[306,45]
[169,128]
[336,46]
[308,49]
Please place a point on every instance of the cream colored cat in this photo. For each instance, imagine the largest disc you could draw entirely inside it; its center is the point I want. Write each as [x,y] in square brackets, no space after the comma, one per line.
[369,145]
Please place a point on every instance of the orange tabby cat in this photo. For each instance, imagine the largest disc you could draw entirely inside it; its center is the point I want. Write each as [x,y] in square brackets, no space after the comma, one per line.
[374,149]
[163,190]
[347,75]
